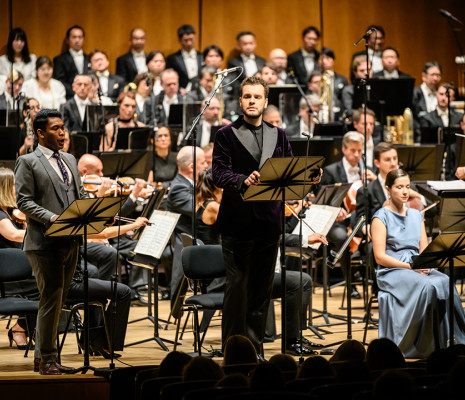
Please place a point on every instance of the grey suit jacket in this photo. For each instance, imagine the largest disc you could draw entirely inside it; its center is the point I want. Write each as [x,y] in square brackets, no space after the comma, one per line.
[39,197]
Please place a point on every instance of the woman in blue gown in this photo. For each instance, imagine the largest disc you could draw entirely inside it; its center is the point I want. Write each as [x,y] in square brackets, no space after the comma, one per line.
[413,304]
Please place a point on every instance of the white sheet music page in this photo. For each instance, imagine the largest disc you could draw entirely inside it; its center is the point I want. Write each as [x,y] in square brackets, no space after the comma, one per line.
[320,218]
[154,239]
[447,185]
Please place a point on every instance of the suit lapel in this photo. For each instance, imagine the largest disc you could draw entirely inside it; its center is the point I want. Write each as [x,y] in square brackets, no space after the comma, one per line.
[245,137]
[181,64]
[75,111]
[64,157]
[52,174]
[72,64]
[342,172]
[270,137]
[379,193]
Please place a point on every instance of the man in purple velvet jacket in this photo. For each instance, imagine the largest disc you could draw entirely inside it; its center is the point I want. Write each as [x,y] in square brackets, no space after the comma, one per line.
[250,230]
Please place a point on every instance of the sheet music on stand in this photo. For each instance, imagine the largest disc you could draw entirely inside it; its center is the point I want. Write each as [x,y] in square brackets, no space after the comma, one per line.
[321,218]
[155,237]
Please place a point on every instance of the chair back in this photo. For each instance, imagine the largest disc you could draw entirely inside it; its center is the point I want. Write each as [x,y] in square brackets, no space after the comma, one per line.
[14,265]
[203,262]
[188,240]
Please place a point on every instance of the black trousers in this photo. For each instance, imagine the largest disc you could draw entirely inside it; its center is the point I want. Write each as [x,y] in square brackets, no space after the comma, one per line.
[249,279]
[101,290]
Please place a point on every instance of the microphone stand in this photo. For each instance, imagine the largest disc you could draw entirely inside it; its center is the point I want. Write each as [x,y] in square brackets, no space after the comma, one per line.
[103,132]
[193,132]
[364,174]
[155,131]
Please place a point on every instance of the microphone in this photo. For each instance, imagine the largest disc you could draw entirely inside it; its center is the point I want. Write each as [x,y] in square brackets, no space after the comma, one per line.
[448,15]
[366,35]
[227,71]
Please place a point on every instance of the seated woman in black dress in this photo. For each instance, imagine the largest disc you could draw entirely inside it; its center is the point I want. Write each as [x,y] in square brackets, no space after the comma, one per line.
[208,198]
[164,160]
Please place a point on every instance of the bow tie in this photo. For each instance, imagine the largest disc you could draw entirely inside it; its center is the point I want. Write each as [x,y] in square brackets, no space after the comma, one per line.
[354,170]
[75,53]
[247,58]
[442,113]
[191,54]
[307,54]
[105,74]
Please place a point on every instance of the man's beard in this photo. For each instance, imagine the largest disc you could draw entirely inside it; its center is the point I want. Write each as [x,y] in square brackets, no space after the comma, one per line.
[251,116]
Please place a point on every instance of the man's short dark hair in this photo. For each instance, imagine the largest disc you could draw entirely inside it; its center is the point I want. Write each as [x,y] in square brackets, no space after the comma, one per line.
[244,33]
[41,118]
[309,29]
[315,72]
[381,148]
[93,53]
[185,30]
[390,48]
[214,48]
[431,64]
[379,28]
[360,111]
[253,81]
[68,32]
[326,51]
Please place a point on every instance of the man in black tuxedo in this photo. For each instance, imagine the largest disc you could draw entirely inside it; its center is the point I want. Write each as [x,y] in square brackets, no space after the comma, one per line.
[47,181]
[390,60]
[359,71]
[374,133]
[424,96]
[186,61]
[6,101]
[246,43]
[305,60]
[160,105]
[111,85]
[204,87]
[336,81]
[74,110]
[375,45]
[72,62]
[133,62]
[439,118]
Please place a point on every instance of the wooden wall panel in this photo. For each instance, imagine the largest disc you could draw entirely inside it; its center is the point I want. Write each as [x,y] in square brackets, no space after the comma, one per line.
[413,27]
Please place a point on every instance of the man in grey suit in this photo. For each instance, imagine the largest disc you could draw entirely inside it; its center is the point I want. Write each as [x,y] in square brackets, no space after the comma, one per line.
[47,181]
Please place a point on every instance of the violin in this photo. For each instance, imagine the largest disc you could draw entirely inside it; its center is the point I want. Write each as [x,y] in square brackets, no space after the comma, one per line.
[91,184]
[17,215]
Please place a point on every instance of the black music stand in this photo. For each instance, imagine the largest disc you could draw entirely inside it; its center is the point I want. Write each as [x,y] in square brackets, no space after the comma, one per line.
[10,143]
[386,96]
[331,129]
[125,163]
[421,162]
[282,179]
[332,195]
[83,217]
[446,250]
[329,148]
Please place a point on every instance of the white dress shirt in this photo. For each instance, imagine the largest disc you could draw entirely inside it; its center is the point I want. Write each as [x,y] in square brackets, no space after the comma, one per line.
[9,100]
[139,60]
[391,75]
[353,173]
[376,62]
[103,80]
[250,65]
[382,182]
[140,101]
[444,115]
[157,86]
[81,105]
[48,153]
[370,149]
[430,97]
[309,61]
[78,57]
[190,60]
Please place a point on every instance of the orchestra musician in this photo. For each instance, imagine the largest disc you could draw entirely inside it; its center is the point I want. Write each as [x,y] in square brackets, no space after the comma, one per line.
[125,119]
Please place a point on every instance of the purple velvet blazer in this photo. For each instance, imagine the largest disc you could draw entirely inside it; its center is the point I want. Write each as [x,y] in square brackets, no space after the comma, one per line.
[235,156]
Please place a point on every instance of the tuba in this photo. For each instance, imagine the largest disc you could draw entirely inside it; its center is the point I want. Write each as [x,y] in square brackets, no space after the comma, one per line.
[400,128]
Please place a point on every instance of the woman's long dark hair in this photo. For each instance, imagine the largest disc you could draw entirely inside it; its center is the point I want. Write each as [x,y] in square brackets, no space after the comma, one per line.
[17,33]
[205,188]
[393,175]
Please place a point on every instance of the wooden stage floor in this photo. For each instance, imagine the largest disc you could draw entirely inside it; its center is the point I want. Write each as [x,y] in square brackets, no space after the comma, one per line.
[13,364]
